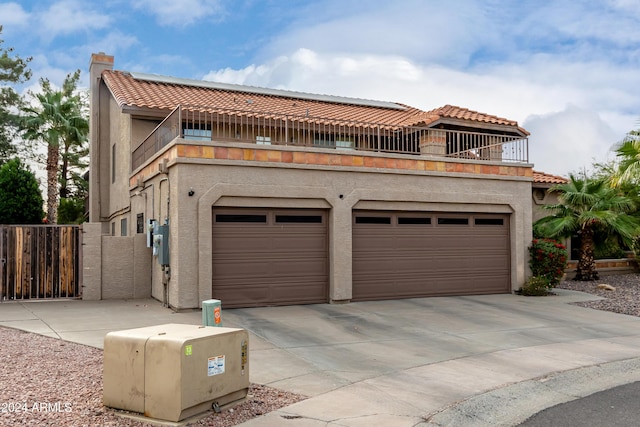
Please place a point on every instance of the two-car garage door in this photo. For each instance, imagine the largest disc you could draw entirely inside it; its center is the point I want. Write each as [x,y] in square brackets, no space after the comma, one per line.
[420,254]
[264,257]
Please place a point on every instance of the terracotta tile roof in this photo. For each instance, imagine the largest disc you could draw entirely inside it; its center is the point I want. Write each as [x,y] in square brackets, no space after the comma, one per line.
[456,112]
[545,178]
[460,113]
[166,94]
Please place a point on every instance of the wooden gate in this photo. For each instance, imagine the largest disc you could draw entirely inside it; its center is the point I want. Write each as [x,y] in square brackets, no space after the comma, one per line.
[40,261]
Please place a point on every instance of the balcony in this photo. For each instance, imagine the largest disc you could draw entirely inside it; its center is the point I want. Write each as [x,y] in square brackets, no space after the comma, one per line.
[203,124]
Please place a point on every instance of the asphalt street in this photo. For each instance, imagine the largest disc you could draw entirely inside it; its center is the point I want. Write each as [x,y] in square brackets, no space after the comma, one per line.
[616,407]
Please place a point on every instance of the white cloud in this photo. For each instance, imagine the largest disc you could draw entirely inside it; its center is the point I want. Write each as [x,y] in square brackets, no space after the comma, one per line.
[412,28]
[113,43]
[42,68]
[563,104]
[569,140]
[69,16]
[13,14]
[56,64]
[180,13]
[153,64]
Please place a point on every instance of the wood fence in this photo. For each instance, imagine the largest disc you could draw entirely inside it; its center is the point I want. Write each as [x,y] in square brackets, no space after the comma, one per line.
[40,261]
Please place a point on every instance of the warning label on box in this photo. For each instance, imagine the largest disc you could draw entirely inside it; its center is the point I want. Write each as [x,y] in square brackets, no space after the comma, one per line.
[215,366]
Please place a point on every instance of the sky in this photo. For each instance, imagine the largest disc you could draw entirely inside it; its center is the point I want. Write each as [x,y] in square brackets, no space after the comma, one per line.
[567,71]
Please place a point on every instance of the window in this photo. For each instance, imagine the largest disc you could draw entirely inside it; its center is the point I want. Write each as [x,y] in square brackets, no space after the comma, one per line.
[113,163]
[373,220]
[333,141]
[489,221]
[299,219]
[123,227]
[197,134]
[324,140]
[140,223]
[197,131]
[263,140]
[345,143]
[113,228]
[413,221]
[241,218]
[453,221]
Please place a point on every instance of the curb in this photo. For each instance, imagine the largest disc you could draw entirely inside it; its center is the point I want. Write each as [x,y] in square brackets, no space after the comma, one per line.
[513,404]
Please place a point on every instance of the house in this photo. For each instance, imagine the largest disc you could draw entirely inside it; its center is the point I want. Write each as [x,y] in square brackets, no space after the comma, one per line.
[541,195]
[269,197]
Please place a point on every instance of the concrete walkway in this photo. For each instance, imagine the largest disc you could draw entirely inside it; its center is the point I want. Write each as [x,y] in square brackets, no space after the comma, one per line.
[460,361]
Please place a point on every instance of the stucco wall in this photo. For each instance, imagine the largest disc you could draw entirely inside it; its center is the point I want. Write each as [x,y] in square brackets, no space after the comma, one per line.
[540,197]
[92,261]
[126,267]
[140,129]
[340,190]
[117,267]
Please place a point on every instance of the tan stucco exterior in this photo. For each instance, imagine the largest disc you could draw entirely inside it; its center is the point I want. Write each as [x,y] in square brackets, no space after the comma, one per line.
[238,174]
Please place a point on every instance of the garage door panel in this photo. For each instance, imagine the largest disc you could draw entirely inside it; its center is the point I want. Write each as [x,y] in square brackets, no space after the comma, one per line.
[264,270]
[446,254]
[280,261]
[373,243]
[240,243]
[308,242]
[296,294]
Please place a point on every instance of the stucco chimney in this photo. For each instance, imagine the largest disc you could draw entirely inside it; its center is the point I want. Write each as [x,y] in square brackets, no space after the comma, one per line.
[99,63]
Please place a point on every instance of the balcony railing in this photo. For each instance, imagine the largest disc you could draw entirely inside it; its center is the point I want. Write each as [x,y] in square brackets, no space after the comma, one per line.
[265,128]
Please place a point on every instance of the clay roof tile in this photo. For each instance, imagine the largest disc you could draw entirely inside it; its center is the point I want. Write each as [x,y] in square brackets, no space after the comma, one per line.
[166,93]
[545,178]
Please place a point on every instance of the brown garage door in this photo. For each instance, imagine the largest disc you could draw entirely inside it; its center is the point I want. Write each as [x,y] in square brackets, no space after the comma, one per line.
[419,254]
[264,257]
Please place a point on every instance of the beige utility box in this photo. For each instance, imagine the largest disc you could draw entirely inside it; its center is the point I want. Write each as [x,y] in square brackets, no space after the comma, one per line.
[172,372]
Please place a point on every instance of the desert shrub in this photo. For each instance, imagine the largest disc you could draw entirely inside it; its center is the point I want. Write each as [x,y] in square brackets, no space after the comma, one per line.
[535,286]
[548,259]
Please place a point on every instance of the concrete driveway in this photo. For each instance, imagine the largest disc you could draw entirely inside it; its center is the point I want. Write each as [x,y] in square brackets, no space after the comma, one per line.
[477,360]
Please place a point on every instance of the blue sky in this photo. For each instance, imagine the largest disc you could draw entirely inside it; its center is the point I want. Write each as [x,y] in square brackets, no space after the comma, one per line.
[567,71]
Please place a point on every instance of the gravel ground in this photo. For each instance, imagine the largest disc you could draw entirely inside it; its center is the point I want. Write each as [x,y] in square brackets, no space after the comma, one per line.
[624,300]
[50,382]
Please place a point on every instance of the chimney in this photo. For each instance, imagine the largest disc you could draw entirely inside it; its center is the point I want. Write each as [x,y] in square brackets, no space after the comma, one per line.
[99,63]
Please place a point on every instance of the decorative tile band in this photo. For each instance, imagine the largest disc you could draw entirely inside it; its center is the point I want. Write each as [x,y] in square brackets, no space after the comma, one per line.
[325,159]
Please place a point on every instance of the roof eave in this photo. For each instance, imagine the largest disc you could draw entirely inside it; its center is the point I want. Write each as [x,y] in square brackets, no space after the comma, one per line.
[479,124]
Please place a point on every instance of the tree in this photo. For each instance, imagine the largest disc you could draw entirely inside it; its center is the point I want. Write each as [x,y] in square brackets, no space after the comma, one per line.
[13,70]
[20,196]
[585,206]
[628,153]
[71,211]
[56,120]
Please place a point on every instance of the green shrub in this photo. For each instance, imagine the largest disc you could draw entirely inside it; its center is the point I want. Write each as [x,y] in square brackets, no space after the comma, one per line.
[548,259]
[607,246]
[71,211]
[20,196]
[536,286]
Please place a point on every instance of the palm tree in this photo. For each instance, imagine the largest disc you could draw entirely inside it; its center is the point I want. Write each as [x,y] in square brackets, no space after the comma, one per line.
[629,154]
[584,206]
[55,119]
